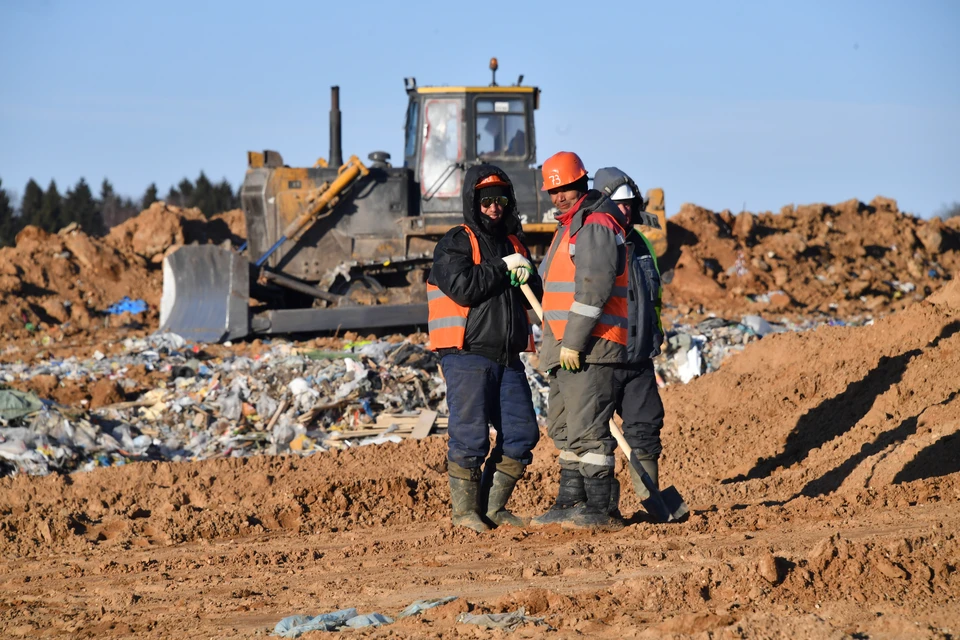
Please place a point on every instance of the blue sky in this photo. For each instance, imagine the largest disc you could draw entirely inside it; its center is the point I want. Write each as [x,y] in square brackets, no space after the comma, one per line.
[756,104]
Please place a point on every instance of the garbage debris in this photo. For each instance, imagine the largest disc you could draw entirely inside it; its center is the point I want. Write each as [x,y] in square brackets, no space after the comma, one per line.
[296,626]
[17,404]
[505,621]
[126,305]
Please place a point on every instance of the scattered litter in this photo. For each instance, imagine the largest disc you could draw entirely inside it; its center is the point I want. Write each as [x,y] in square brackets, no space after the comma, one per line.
[126,305]
[295,626]
[505,621]
[17,404]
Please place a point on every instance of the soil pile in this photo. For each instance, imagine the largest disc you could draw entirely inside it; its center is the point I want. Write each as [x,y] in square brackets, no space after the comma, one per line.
[162,228]
[67,280]
[846,259]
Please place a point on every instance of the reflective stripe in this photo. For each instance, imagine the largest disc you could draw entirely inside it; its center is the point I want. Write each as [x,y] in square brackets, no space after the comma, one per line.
[598,460]
[559,287]
[572,249]
[434,295]
[613,321]
[585,309]
[444,323]
[569,456]
[620,239]
[555,315]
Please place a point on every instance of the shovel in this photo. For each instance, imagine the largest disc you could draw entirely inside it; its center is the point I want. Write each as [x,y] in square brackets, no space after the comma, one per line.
[666,505]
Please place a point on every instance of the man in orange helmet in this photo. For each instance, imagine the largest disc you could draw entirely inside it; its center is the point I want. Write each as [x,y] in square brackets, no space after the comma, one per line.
[584,339]
[478,325]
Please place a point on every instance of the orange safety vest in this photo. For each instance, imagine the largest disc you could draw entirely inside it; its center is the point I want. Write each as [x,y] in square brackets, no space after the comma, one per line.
[447,320]
[559,286]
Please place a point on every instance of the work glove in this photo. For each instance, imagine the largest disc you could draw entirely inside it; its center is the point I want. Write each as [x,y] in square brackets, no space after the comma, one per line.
[515,261]
[519,276]
[569,359]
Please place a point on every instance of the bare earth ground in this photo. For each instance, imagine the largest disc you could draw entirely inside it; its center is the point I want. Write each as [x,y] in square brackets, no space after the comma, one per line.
[822,468]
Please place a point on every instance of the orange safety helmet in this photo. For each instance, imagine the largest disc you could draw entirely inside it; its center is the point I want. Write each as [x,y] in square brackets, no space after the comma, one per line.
[492,180]
[561,169]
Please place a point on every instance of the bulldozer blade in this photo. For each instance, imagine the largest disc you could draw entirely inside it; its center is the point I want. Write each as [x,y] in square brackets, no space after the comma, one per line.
[206,292]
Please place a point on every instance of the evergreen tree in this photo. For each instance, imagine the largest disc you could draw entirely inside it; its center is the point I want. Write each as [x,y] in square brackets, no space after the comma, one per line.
[51,216]
[226,198]
[185,188]
[31,204]
[173,197]
[8,222]
[204,196]
[149,196]
[80,207]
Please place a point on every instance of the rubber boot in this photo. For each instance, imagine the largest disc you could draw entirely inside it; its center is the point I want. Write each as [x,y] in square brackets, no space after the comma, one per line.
[596,515]
[465,497]
[500,491]
[614,509]
[571,499]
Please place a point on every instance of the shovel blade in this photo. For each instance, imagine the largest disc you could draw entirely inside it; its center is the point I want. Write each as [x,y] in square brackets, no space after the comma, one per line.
[674,503]
[206,292]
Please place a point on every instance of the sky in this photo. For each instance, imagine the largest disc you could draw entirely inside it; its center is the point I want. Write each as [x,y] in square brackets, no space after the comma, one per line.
[728,105]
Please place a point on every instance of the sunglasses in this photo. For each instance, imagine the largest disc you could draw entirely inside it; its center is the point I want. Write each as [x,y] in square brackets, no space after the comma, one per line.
[489,201]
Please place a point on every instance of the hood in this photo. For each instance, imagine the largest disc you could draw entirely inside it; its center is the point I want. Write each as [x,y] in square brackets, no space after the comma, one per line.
[609,179]
[593,201]
[471,208]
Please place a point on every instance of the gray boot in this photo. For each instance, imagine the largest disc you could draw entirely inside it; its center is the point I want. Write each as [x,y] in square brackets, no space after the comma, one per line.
[596,515]
[571,499]
[465,497]
[508,473]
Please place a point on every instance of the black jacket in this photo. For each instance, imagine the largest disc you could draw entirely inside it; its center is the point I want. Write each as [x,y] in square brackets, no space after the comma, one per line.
[497,326]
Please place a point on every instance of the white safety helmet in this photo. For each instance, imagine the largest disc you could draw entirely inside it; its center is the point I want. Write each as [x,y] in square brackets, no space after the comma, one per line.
[623,192]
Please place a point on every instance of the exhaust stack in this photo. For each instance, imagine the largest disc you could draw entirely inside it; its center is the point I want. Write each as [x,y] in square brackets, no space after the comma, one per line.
[336,149]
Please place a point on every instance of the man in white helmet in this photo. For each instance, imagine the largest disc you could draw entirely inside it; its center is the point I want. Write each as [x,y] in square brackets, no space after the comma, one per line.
[637,396]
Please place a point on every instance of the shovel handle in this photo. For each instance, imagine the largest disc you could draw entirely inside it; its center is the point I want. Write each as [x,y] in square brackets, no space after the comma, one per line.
[618,436]
[532,299]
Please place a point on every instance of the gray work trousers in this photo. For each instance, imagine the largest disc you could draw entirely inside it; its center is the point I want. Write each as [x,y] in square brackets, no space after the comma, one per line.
[580,407]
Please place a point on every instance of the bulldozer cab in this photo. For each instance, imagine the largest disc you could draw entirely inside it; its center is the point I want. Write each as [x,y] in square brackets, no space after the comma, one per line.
[449,129]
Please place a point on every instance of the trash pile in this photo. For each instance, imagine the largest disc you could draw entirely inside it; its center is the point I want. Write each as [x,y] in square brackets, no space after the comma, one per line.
[296,626]
[161,398]
[691,350]
[285,399]
[842,260]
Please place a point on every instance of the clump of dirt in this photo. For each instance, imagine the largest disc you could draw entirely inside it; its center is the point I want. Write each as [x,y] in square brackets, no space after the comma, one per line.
[845,259]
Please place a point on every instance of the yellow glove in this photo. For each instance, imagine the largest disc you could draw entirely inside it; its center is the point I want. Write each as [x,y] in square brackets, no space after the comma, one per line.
[569,359]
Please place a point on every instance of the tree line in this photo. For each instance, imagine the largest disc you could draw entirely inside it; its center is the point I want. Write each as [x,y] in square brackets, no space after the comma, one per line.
[51,211]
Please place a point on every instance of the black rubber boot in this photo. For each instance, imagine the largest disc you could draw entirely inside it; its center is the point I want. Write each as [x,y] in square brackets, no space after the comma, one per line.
[465,497]
[614,509]
[596,515]
[571,499]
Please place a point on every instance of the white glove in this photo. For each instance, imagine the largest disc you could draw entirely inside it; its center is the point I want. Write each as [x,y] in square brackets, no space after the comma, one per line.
[516,260]
[520,275]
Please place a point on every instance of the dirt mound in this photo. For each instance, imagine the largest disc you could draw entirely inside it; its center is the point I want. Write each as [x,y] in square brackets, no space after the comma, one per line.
[162,228]
[845,259]
[65,281]
[840,409]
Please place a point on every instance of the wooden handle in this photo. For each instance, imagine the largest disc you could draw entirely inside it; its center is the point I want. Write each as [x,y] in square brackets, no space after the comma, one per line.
[618,436]
[532,299]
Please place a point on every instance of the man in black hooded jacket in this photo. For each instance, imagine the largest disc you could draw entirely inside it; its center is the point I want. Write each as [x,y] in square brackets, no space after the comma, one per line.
[479,327]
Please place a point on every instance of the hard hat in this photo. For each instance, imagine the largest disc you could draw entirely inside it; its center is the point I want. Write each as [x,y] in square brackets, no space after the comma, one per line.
[492,180]
[623,192]
[561,169]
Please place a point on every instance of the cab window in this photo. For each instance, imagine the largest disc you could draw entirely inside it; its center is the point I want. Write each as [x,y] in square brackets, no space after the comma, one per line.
[501,128]
[413,111]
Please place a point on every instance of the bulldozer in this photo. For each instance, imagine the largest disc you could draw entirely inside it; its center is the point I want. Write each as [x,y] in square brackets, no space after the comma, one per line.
[348,245]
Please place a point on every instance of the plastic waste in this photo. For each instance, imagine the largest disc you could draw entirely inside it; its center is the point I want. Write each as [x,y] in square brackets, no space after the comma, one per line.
[17,404]
[296,626]
[126,305]
[505,621]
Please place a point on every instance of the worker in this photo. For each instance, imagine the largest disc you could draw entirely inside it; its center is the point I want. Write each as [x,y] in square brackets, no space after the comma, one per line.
[637,397]
[584,341]
[479,327]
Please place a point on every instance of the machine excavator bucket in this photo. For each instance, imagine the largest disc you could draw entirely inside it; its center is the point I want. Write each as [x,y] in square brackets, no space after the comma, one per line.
[206,292]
